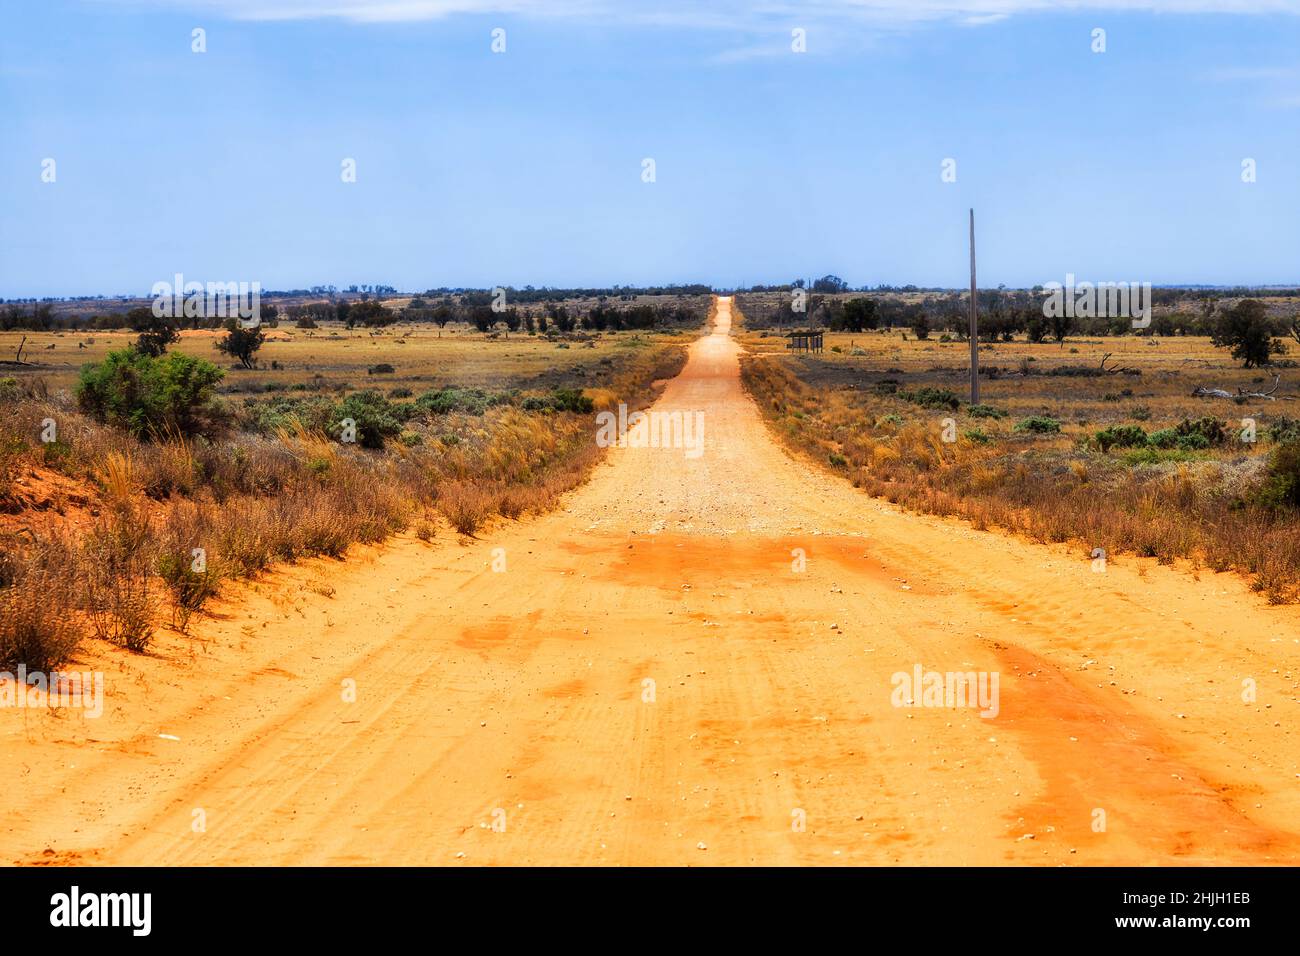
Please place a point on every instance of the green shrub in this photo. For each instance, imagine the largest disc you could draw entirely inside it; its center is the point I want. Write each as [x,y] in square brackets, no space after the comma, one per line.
[472,401]
[1281,488]
[1121,436]
[282,412]
[1211,429]
[572,400]
[1171,438]
[559,400]
[1038,425]
[376,418]
[150,397]
[1164,438]
[837,460]
[985,411]
[8,389]
[928,397]
[1283,430]
[978,437]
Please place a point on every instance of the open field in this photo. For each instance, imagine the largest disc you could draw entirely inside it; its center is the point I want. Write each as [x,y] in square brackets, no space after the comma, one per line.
[335,359]
[693,661]
[102,504]
[1095,441]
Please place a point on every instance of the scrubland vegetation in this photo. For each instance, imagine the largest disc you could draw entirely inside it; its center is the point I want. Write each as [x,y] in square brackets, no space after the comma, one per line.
[134,484]
[1096,441]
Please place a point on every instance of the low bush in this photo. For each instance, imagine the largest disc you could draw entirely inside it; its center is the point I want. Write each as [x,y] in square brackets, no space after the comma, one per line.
[1281,487]
[1211,429]
[1120,436]
[1038,425]
[150,397]
[1284,429]
[928,397]
[560,400]
[375,418]
[471,401]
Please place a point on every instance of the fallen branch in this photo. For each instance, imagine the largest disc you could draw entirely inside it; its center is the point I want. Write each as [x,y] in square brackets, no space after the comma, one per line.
[1114,369]
[1202,391]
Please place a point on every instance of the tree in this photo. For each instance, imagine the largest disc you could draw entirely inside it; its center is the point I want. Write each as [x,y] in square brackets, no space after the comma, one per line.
[1245,329]
[241,343]
[830,284]
[1036,326]
[156,332]
[859,315]
[370,314]
[1062,325]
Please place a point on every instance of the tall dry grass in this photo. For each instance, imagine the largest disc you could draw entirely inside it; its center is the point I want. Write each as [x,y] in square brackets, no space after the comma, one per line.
[178,516]
[1048,489]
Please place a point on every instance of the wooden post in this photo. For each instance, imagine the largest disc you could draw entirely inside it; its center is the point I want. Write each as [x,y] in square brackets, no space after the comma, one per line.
[974,322]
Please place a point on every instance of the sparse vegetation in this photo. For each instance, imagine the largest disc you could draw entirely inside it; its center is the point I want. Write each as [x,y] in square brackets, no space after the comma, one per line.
[1074,467]
[177,463]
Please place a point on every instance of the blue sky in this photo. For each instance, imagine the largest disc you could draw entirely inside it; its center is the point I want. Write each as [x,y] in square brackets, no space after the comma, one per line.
[484,169]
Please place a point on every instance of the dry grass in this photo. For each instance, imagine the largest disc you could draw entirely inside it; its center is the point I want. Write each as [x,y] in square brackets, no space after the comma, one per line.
[247,501]
[39,602]
[848,412]
[333,360]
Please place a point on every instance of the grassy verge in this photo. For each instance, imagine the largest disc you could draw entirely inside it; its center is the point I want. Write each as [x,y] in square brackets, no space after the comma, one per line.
[1187,490]
[163,522]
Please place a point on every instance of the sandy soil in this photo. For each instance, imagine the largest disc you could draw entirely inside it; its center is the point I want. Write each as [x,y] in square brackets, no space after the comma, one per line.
[501,715]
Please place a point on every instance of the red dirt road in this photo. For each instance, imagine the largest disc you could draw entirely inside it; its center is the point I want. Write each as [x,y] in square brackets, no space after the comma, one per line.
[502,716]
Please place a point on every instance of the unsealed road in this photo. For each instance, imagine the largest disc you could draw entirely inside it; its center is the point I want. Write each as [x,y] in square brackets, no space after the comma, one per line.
[655,677]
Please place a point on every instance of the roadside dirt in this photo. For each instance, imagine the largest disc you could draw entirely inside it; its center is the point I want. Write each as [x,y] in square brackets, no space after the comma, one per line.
[502,716]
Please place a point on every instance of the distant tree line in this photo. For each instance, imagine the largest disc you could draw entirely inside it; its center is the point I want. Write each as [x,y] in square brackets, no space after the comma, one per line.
[1246,325]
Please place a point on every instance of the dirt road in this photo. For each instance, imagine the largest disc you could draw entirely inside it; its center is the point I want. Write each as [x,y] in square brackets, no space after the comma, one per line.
[504,713]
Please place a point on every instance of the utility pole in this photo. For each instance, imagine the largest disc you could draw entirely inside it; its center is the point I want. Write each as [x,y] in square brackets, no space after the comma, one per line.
[974,322]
